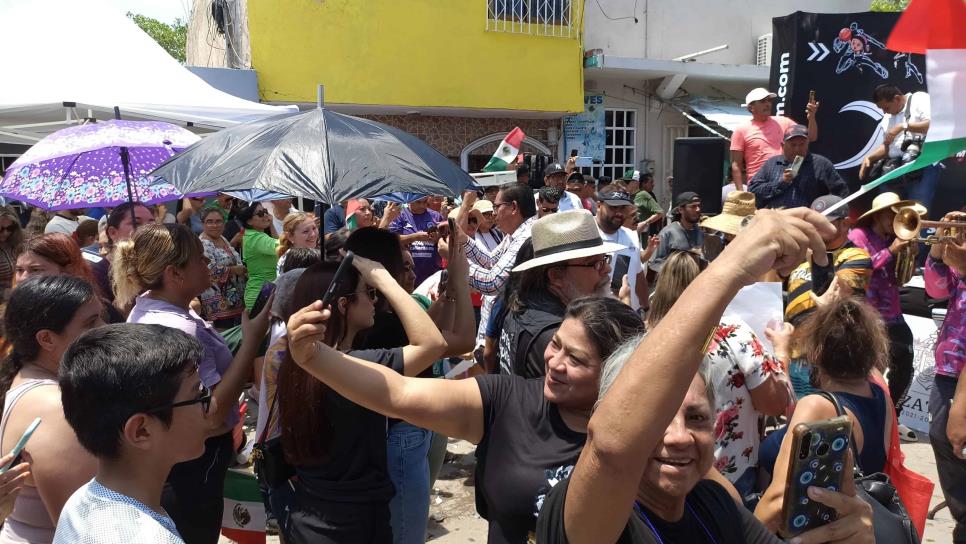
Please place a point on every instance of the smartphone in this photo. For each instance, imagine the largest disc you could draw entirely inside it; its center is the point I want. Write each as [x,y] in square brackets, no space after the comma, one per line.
[811,96]
[431,228]
[339,277]
[573,152]
[822,275]
[18,448]
[796,165]
[818,459]
[443,280]
[621,265]
[267,289]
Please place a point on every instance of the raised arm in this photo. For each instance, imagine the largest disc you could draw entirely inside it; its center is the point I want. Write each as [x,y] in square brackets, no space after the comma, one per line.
[457,321]
[620,441]
[451,407]
[426,344]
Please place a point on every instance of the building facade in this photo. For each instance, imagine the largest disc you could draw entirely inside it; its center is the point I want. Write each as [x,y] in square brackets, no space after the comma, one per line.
[671,69]
[459,74]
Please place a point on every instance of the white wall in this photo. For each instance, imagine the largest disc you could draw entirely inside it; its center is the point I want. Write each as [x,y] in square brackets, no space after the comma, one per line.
[671,28]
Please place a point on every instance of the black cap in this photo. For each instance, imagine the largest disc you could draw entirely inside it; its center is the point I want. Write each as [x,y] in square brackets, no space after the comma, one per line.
[523,170]
[615,198]
[576,176]
[685,198]
[796,131]
[553,168]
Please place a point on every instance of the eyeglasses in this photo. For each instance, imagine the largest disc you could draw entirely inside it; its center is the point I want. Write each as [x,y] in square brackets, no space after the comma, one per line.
[596,265]
[549,210]
[9,228]
[698,258]
[261,213]
[204,399]
[372,292]
[496,205]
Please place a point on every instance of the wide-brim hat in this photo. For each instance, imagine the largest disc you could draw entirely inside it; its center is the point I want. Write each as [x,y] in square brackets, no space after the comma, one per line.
[563,236]
[483,206]
[888,201]
[757,94]
[737,209]
[455,212]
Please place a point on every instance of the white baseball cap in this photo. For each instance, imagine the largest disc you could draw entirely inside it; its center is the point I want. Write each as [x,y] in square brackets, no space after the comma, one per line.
[756,95]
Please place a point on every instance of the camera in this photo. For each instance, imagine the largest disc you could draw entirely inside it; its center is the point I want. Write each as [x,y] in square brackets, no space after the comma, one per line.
[911,148]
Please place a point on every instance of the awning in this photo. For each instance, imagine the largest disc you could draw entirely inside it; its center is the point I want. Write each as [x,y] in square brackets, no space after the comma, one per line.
[725,113]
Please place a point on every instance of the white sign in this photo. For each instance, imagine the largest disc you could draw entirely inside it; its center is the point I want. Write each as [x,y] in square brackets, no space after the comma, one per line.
[915,407]
[760,305]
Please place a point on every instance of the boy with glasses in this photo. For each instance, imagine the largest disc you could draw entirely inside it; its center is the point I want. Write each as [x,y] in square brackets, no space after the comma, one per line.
[132,395]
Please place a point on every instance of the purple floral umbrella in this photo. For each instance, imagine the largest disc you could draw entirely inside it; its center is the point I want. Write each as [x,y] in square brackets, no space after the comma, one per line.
[83,166]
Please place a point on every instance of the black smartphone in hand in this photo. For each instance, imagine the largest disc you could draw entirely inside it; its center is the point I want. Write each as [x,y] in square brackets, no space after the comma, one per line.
[621,266]
[340,275]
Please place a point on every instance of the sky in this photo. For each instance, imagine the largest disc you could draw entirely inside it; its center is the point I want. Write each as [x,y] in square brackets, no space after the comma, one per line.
[165,11]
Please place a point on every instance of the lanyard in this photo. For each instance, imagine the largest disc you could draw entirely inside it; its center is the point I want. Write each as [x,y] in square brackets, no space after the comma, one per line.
[657,535]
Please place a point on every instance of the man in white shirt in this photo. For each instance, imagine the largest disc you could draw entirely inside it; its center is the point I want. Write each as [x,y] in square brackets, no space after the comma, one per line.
[65,221]
[904,127]
[614,206]
[554,175]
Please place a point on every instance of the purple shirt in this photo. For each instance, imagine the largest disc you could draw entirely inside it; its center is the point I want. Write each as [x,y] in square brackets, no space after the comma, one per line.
[942,282]
[883,291]
[425,256]
[217,357]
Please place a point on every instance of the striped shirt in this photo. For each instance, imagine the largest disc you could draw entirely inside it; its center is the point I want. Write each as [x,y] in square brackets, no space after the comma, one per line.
[853,267]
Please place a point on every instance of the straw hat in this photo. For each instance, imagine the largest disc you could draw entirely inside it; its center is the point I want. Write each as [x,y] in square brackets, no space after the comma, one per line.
[889,201]
[738,207]
[477,211]
[566,235]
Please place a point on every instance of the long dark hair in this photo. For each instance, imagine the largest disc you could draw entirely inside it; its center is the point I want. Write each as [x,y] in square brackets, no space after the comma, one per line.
[607,321]
[40,303]
[304,423]
[381,246]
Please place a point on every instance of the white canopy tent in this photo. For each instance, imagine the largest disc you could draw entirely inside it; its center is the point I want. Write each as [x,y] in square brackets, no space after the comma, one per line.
[65,60]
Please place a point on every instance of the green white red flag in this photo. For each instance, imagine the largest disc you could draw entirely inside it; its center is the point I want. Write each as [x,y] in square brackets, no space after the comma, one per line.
[243,519]
[934,28]
[507,152]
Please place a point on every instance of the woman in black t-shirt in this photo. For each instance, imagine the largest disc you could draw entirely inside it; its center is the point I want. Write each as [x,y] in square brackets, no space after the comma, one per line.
[338,448]
[651,437]
[529,432]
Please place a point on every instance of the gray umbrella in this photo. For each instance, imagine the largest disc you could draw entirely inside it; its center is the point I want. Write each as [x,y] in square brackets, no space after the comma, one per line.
[317,154]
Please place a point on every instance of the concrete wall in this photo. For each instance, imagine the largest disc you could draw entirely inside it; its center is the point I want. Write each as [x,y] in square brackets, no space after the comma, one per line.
[408,53]
[667,29]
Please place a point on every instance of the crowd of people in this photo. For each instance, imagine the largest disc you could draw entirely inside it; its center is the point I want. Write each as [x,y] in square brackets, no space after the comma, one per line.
[608,396]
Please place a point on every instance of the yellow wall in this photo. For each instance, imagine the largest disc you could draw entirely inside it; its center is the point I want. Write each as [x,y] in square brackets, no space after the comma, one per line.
[408,53]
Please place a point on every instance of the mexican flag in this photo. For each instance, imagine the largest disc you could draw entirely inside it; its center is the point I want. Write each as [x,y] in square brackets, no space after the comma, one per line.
[936,28]
[243,520]
[507,152]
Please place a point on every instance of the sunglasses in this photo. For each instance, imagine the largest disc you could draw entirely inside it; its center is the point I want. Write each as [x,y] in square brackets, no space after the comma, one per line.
[596,265]
[261,213]
[10,228]
[702,262]
[372,292]
[549,210]
[204,399]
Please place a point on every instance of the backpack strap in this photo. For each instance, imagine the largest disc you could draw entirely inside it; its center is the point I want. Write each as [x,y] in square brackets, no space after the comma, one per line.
[857,468]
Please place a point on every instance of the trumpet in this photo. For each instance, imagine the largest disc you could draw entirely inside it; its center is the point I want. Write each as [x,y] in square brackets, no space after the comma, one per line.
[908,225]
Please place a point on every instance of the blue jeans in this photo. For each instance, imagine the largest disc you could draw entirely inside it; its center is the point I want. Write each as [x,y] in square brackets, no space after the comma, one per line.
[406,449]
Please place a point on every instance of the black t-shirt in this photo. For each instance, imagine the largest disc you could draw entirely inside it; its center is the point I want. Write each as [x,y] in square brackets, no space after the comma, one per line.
[712,510]
[525,450]
[355,470]
[387,332]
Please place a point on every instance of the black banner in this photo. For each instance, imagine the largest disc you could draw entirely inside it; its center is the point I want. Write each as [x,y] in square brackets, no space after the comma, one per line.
[842,57]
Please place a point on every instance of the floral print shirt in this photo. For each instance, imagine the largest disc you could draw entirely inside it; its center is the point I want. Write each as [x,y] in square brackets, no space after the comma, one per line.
[943,282]
[883,290]
[739,363]
[225,298]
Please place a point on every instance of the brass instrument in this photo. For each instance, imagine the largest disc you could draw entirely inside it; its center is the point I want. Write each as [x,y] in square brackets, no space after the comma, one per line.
[908,225]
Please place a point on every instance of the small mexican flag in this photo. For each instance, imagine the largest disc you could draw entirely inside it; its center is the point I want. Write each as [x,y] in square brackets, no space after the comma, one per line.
[507,152]
[936,28]
[351,207]
[243,520]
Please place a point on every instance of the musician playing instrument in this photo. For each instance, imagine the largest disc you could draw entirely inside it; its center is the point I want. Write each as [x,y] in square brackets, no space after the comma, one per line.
[875,233]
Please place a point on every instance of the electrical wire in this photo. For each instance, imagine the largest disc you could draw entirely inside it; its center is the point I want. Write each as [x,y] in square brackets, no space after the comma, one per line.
[608,17]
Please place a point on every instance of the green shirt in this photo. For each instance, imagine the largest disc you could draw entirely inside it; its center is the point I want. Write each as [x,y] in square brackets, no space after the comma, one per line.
[258,250]
[646,205]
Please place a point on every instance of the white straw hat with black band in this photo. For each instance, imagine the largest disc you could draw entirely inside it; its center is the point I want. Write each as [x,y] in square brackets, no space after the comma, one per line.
[566,235]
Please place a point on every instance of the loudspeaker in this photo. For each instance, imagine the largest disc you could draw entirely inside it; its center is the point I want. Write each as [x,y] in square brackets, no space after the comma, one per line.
[701,165]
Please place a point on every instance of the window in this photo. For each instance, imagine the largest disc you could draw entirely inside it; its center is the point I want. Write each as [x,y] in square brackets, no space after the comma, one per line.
[620,131]
[537,17]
